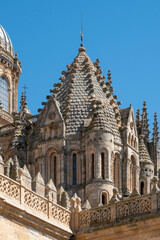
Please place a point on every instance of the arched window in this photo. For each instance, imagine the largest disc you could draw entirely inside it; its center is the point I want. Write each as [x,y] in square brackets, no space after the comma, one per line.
[117,169]
[92,165]
[53,168]
[142,188]
[74,168]
[4,93]
[104,198]
[103,165]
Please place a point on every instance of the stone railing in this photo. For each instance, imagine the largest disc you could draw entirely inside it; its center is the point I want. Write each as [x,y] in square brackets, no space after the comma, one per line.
[94,216]
[9,187]
[15,191]
[137,206]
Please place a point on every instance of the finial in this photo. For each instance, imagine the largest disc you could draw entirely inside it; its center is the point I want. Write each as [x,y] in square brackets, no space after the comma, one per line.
[25,88]
[138,120]
[81,33]
[144,103]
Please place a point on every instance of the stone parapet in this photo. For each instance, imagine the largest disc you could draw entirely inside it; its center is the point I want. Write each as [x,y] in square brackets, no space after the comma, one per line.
[119,212]
[34,205]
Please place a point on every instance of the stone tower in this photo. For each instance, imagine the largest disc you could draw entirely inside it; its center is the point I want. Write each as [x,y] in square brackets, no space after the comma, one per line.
[81,140]
[10,71]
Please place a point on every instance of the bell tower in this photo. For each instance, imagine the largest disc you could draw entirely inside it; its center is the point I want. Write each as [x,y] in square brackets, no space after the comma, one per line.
[10,71]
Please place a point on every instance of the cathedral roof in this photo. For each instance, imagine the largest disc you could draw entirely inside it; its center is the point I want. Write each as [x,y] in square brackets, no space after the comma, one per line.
[5,42]
[81,86]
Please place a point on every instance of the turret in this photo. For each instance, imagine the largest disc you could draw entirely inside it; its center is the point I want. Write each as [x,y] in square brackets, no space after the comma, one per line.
[10,71]
[147,167]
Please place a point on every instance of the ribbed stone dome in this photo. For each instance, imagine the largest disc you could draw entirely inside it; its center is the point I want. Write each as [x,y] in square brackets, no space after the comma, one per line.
[5,41]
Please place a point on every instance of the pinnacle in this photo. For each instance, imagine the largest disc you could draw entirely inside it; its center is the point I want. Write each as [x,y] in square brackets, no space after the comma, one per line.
[155,129]
[38,178]
[23,107]
[144,122]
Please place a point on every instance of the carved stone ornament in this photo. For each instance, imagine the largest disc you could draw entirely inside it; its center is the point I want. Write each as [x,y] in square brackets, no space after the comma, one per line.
[52,115]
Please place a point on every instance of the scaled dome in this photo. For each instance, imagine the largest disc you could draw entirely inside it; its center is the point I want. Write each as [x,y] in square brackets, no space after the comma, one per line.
[5,42]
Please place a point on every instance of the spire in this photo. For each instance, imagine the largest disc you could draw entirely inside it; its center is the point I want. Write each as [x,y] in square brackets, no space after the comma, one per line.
[155,130]
[138,120]
[23,107]
[144,123]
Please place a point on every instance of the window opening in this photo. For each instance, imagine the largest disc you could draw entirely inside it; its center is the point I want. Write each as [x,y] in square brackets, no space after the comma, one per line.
[4,93]
[104,198]
[142,188]
[74,169]
[102,165]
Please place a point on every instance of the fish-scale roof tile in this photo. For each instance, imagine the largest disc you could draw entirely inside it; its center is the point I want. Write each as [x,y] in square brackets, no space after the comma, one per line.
[79,88]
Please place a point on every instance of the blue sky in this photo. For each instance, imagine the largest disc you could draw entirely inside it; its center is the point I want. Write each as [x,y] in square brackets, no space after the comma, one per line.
[124,35]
